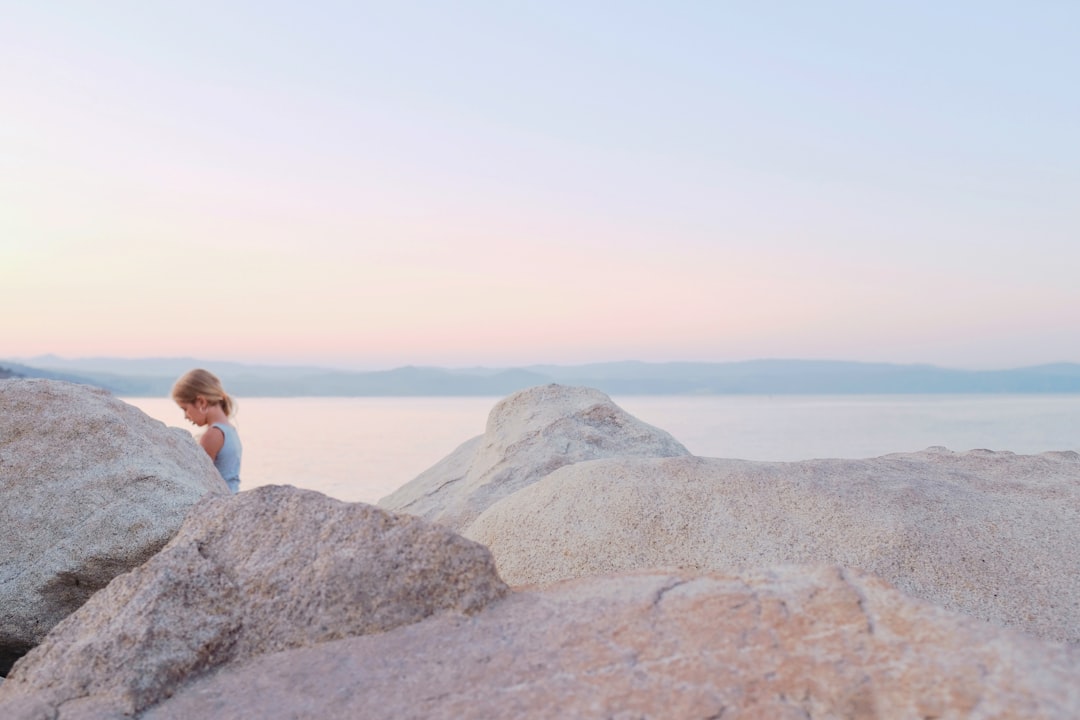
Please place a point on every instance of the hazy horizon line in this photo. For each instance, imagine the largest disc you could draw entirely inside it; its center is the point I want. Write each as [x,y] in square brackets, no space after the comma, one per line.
[362,367]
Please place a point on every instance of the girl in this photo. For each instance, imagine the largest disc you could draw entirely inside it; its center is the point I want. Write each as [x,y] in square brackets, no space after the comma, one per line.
[204,401]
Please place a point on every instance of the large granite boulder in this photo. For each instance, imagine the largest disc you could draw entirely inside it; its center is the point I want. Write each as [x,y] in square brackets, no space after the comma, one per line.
[992,534]
[788,642]
[529,434]
[267,570]
[91,488]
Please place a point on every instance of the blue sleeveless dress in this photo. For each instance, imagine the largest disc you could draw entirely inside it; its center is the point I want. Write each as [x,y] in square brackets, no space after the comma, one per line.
[227,461]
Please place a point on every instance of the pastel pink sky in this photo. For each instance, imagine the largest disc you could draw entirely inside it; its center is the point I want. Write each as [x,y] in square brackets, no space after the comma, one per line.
[373,187]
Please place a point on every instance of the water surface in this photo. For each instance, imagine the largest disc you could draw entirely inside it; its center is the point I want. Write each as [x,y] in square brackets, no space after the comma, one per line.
[361,449]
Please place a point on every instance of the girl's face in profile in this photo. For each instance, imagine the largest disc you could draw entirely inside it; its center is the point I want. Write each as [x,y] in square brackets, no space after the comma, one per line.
[192,413]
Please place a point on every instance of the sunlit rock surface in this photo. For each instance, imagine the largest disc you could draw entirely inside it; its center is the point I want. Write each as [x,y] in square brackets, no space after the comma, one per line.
[91,488]
[790,642]
[529,434]
[284,603]
[991,534]
[266,570]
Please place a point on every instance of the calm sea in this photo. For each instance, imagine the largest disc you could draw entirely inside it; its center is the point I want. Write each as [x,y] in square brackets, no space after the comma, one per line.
[361,449]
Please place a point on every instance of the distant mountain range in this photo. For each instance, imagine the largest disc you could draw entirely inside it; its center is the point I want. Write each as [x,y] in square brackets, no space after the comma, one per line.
[154,378]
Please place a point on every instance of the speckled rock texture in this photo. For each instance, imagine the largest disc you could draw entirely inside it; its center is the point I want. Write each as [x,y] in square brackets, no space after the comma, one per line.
[92,487]
[786,642]
[991,534]
[529,434]
[269,569]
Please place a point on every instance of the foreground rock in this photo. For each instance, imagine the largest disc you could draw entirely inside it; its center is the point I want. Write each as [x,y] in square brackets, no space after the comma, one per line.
[994,535]
[91,488]
[529,434]
[269,569]
[782,643]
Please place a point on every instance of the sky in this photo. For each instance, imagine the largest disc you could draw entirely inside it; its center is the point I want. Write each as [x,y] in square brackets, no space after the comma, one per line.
[374,184]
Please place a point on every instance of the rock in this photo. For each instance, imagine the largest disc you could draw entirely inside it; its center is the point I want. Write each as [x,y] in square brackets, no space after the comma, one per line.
[991,534]
[529,434]
[92,487]
[266,570]
[788,642]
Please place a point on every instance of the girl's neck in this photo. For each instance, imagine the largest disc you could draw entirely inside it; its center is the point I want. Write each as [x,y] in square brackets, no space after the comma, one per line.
[215,414]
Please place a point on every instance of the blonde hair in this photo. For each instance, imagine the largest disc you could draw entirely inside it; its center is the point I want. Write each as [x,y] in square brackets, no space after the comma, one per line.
[198,382]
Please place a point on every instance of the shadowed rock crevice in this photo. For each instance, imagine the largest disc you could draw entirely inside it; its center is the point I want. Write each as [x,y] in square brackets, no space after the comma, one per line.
[10,651]
[72,588]
[864,603]
[666,589]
